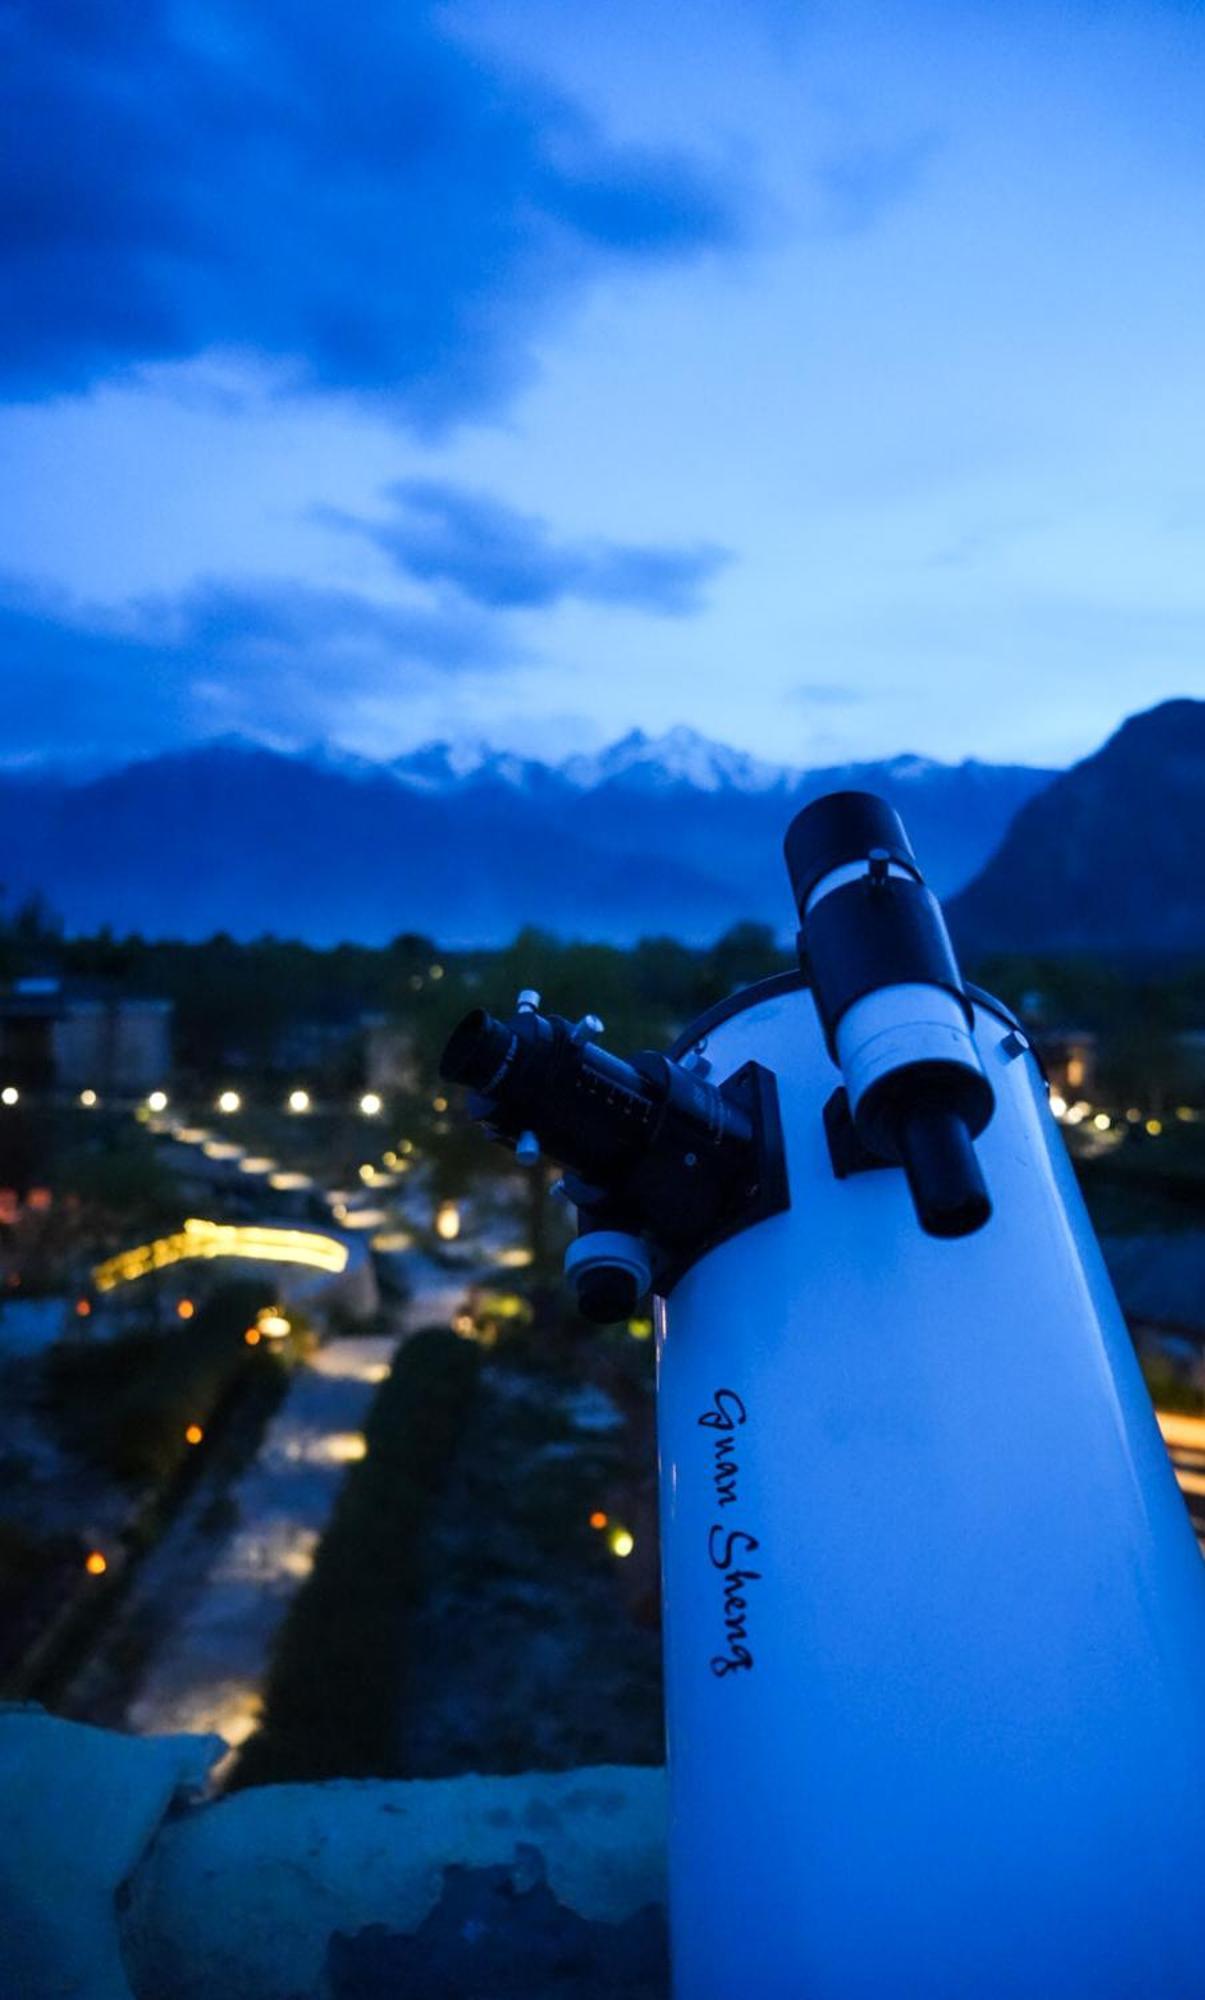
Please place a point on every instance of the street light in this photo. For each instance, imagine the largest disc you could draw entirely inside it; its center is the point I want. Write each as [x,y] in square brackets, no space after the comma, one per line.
[299,1100]
[10,1094]
[370,1104]
[447,1221]
[157,1101]
[88,1099]
[230,1101]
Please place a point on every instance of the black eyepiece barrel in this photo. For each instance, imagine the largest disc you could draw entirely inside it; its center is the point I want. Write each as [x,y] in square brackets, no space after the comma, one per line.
[944,1177]
[476,1051]
[841,828]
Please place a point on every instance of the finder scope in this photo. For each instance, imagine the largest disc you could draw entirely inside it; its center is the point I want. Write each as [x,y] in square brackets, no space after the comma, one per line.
[896,1018]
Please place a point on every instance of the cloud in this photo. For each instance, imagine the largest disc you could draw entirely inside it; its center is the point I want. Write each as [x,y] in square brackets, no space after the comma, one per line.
[499,557]
[275,659]
[827,694]
[345,191]
[861,184]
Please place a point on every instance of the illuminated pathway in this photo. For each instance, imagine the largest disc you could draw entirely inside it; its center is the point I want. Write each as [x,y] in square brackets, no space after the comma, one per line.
[215,1627]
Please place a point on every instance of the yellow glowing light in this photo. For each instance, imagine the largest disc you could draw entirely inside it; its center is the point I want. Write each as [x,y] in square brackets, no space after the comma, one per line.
[405,1146]
[157,1101]
[1154,1126]
[393,1239]
[185,1309]
[1186,1114]
[439,1103]
[620,1542]
[368,1173]
[95,1563]
[253,1336]
[273,1325]
[640,1329]
[1102,1121]
[299,1100]
[447,1222]
[343,1447]
[598,1519]
[254,1240]
[230,1101]
[370,1104]
[1181,1432]
[516,1259]
[436,971]
[193,1434]
[1058,1105]
[464,1324]
[288,1181]
[10,1094]
[1078,1112]
[88,1099]
[1075,1071]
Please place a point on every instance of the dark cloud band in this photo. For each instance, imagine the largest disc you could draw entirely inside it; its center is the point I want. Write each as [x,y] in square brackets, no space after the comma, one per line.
[502,558]
[343,189]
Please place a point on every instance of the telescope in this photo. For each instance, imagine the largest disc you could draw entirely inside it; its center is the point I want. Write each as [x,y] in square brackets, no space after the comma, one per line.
[934,1612]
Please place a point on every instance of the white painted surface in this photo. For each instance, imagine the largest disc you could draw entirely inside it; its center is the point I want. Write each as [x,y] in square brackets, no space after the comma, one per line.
[969,1755]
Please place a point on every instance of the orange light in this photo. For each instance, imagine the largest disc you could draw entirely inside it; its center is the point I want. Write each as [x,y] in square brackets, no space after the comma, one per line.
[95,1563]
[252,1336]
[82,1308]
[185,1309]
[598,1520]
[193,1434]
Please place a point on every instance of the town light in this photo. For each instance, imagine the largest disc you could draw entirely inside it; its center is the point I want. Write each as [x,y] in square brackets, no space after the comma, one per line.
[1154,1126]
[253,1336]
[260,1241]
[94,1563]
[299,1100]
[157,1101]
[1058,1105]
[273,1324]
[370,1104]
[230,1101]
[88,1099]
[193,1434]
[10,1094]
[185,1309]
[83,1308]
[447,1221]
[620,1542]
[1102,1121]
[598,1519]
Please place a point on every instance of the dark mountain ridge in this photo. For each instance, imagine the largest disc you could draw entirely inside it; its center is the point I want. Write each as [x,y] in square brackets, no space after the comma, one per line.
[1108,857]
[674,836]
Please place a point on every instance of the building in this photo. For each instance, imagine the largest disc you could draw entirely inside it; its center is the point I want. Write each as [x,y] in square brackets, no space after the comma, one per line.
[67,1035]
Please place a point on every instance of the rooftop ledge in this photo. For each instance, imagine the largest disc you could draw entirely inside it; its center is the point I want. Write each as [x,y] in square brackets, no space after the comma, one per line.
[119,1878]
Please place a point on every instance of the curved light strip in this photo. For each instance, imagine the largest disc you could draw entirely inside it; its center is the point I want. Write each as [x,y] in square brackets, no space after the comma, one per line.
[223,1239]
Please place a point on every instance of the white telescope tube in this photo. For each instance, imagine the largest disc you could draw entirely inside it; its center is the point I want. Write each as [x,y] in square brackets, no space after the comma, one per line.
[934,1613]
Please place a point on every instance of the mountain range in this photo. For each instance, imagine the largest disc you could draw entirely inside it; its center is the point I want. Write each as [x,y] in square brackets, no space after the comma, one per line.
[671,835]
[1107,857]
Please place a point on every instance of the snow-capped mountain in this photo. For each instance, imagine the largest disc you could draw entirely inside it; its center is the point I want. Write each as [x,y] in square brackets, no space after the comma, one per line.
[671,835]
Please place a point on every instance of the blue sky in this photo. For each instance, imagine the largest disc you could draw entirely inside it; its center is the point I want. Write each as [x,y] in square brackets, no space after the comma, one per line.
[826,376]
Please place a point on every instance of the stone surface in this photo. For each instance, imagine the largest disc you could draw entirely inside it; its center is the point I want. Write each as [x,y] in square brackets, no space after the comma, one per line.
[81,1806]
[244,1897]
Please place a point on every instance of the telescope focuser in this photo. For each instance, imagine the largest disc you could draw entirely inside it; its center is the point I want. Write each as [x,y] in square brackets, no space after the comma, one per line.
[661,1164]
